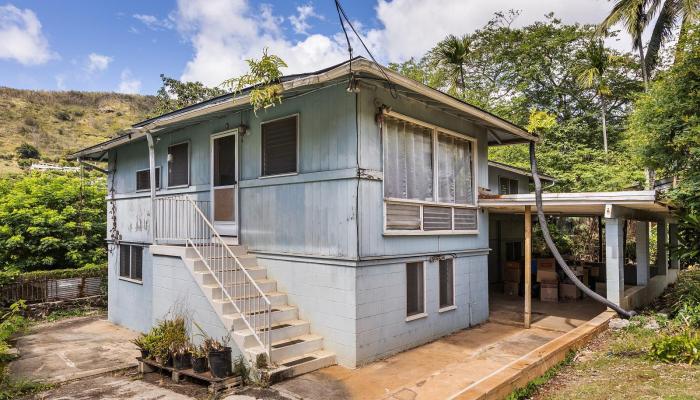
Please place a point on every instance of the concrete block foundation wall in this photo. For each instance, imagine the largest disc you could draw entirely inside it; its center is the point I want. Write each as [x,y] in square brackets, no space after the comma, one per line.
[361,310]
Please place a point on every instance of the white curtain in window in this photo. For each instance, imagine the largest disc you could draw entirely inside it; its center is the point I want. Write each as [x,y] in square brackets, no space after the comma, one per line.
[408,161]
[454,170]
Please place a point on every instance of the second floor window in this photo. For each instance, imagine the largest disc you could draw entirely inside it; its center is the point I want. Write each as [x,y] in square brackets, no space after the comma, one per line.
[507,186]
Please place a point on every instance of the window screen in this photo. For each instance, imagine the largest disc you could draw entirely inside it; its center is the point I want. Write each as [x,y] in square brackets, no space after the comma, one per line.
[279,146]
[178,165]
[131,262]
[446,283]
[415,291]
[143,179]
[225,161]
[408,161]
[508,186]
[454,170]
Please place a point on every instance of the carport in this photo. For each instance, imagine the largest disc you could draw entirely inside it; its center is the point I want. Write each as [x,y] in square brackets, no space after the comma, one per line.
[614,209]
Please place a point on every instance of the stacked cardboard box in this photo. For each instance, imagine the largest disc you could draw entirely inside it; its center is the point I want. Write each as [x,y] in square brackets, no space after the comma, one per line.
[569,291]
[512,275]
[548,279]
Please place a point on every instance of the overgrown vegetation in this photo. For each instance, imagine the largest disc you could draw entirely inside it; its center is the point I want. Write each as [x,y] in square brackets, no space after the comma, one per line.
[12,322]
[50,221]
[530,389]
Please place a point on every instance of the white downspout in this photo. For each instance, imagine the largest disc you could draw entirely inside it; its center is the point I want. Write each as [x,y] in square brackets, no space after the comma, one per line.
[152,178]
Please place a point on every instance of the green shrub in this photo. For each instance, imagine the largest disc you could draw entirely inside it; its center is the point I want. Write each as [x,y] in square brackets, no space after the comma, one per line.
[87,271]
[689,315]
[26,150]
[50,220]
[682,347]
[686,290]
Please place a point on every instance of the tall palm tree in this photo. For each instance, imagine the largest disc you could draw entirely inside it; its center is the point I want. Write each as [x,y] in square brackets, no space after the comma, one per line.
[453,53]
[592,76]
[636,15]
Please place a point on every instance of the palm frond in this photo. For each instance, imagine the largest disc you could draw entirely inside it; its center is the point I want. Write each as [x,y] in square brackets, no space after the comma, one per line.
[663,31]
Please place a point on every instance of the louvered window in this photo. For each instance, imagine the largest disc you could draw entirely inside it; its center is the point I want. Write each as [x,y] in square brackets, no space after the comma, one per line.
[179,165]
[131,262]
[507,186]
[428,178]
[279,146]
[143,179]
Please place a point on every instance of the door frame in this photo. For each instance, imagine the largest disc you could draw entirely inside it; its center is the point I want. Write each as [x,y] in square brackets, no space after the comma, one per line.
[232,229]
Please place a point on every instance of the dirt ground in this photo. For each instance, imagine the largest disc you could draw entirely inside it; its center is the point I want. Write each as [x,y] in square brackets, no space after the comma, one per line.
[604,370]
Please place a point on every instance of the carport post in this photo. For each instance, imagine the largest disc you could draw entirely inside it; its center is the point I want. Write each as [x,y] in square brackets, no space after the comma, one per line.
[661,257]
[614,260]
[528,266]
[642,251]
[673,245]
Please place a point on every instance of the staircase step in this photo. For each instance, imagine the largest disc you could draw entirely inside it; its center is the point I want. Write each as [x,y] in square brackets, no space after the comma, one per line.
[248,262]
[279,313]
[266,285]
[280,331]
[299,365]
[276,299]
[208,279]
[216,250]
[293,347]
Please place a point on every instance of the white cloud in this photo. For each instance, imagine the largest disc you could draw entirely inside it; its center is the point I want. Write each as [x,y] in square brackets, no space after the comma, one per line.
[128,83]
[300,21]
[98,62]
[60,82]
[224,33]
[154,23]
[21,38]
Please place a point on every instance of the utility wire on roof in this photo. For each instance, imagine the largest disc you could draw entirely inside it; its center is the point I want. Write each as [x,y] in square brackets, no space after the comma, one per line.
[343,16]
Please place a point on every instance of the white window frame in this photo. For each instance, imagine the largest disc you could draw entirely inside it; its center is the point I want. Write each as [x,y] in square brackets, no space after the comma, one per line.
[260,172]
[454,293]
[424,314]
[158,174]
[119,265]
[435,129]
[189,164]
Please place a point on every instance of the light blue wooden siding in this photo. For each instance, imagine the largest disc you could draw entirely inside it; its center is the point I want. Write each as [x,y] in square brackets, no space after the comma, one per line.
[372,241]
[310,213]
[496,173]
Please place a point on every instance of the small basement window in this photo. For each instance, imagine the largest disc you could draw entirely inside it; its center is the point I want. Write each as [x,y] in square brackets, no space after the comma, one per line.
[415,289]
[507,186]
[143,179]
[179,165]
[131,262]
[279,146]
[447,284]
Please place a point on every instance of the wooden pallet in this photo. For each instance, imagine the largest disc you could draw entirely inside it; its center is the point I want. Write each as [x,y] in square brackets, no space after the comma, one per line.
[214,385]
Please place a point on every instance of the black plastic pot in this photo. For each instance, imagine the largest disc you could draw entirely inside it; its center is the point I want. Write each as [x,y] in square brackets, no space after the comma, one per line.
[182,360]
[220,362]
[144,354]
[199,364]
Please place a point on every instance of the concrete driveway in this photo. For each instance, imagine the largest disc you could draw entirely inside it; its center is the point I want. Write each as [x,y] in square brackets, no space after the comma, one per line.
[72,349]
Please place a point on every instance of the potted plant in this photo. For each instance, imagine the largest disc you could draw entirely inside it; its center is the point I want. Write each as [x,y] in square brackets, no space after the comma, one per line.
[219,355]
[142,343]
[181,355]
[199,361]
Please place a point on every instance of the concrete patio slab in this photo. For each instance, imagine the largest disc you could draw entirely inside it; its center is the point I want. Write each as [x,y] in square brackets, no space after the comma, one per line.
[444,368]
[73,349]
[110,388]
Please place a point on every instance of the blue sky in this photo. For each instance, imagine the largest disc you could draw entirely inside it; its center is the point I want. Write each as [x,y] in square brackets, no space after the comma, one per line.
[125,45]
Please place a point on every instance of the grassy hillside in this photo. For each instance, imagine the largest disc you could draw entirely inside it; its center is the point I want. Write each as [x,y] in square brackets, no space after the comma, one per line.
[58,123]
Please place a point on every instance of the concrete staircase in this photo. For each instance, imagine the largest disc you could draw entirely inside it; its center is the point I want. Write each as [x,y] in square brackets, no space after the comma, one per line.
[295,350]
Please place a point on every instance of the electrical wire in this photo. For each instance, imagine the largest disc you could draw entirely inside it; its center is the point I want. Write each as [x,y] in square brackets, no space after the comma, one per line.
[342,15]
[553,248]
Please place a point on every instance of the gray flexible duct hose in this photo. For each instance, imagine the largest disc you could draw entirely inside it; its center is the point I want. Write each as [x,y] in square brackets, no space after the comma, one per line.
[553,248]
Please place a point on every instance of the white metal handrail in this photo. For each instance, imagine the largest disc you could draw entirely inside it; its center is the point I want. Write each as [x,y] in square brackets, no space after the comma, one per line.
[182,221]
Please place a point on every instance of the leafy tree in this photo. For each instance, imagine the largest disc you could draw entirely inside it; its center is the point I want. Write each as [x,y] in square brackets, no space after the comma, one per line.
[174,94]
[453,53]
[593,75]
[263,79]
[636,15]
[26,150]
[51,220]
[665,130]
